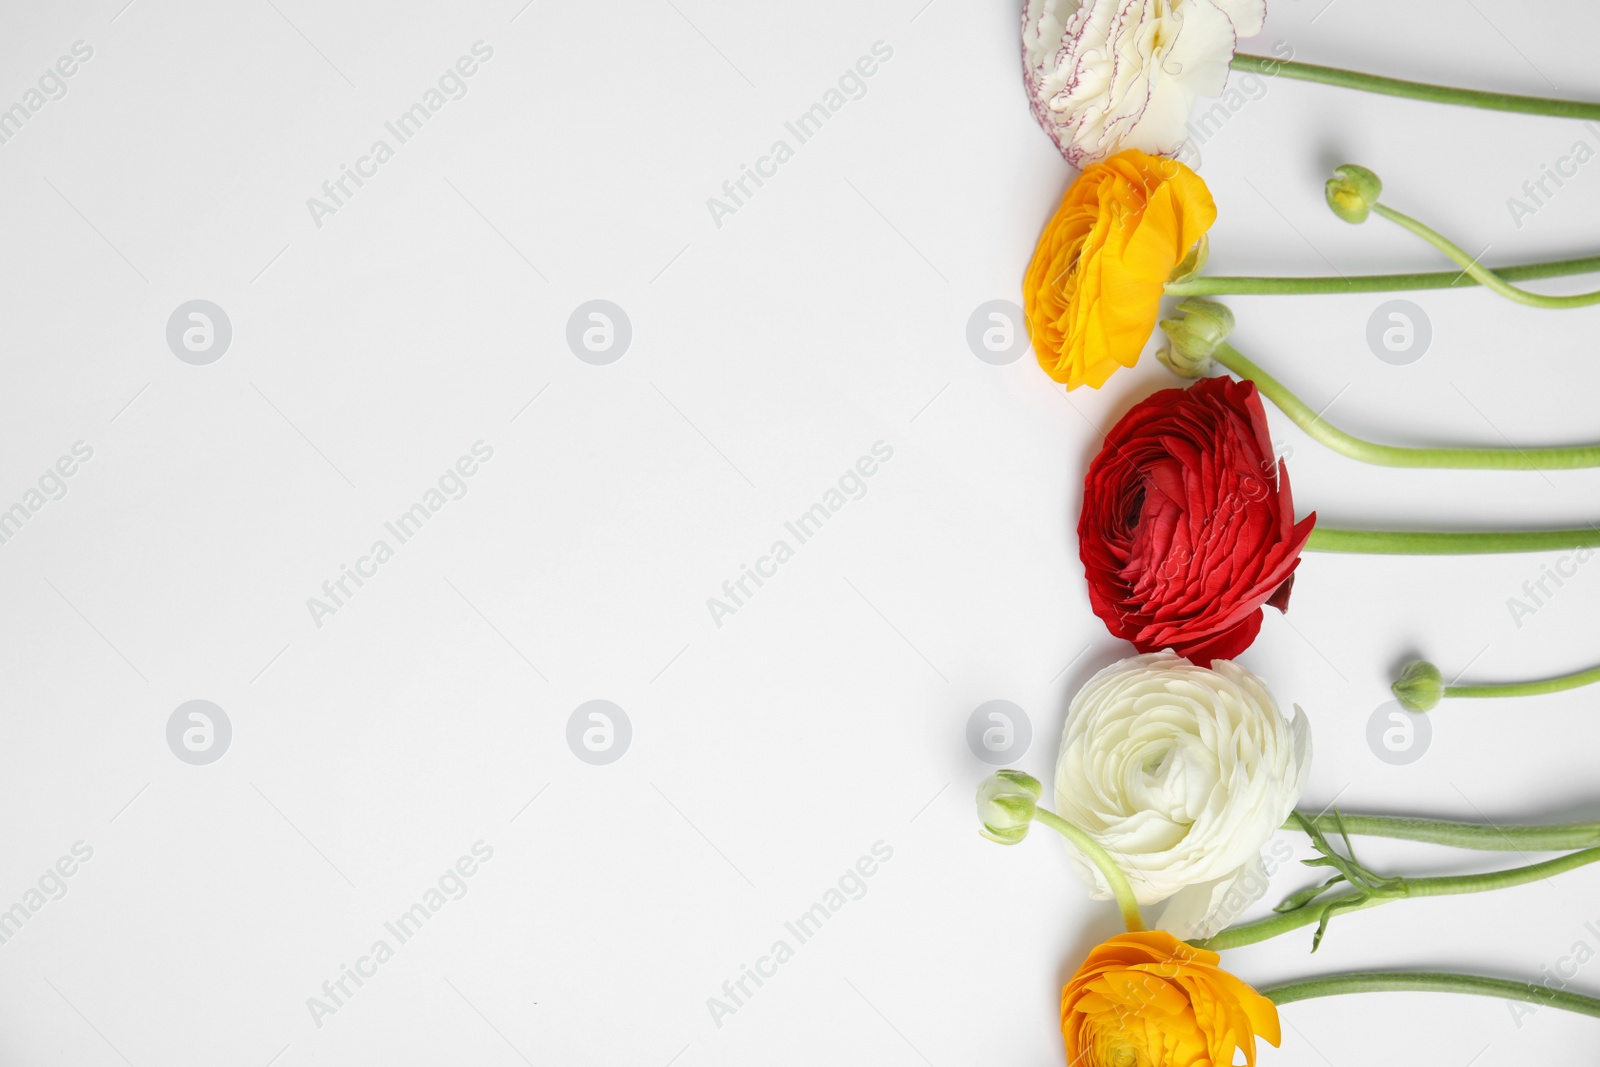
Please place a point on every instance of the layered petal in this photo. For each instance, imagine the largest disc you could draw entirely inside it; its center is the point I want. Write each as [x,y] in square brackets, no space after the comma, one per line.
[1187,528]
[1107,75]
[1147,999]
[1092,292]
[1182,774]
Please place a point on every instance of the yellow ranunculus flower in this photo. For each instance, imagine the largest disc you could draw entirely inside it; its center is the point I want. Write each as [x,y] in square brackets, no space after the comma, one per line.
[1147,999]
[1093,291]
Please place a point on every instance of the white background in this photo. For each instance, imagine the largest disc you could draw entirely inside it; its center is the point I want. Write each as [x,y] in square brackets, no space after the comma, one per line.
[768,354]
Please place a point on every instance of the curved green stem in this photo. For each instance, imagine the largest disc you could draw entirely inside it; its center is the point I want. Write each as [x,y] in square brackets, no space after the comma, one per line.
[1526,689]
[1447,542]
[1430,982]
[1452,885]
[1468,263]
[1357,448]
[1126,902]
[1220,285]
[1437,94]
[1483,837]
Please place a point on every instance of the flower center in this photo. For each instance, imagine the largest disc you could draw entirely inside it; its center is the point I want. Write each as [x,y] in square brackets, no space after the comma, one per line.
[1123,1056]
[1133,509]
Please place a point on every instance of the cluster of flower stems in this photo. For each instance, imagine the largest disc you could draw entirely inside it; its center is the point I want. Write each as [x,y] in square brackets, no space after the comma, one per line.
[1579,844]
[1198,341]
[1354,887]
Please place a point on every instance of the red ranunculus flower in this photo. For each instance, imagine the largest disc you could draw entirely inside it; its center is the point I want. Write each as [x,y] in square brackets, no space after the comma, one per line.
[1188,526]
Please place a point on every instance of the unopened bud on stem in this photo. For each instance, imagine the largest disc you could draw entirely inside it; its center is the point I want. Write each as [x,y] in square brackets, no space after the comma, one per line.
[1007,801]
[1352,191]
[1419,687]
[1193,337]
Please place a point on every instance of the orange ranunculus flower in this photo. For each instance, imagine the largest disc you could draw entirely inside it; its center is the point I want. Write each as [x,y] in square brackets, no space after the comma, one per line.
[1147,999]
[1093,290]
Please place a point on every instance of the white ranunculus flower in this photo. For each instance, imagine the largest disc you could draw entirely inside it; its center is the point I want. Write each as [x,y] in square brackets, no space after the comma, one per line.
[1104,75]
[1181,774]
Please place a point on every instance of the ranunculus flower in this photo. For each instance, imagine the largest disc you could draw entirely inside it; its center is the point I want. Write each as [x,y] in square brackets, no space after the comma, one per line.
[1093,291]
[1149,1000]
[1187,526]
[1182,774]
[1104,75]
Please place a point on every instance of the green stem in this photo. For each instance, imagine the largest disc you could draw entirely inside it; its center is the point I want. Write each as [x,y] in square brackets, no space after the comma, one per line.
[1393,455]
[1526,689]
[1220,285]
[1452,885]
[1430,982]
[1463,259]
[1437,94]
[1127,903]
[1448,543]
[1483,837]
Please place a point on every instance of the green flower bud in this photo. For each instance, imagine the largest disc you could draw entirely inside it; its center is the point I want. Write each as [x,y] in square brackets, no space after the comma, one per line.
[1193,338]
[1352,191]
[1006,803]
[1419,687]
